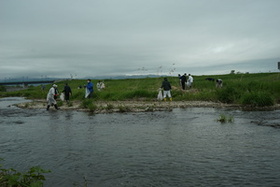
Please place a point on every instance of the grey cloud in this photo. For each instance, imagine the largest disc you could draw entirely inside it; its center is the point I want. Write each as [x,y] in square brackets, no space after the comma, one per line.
[119,37]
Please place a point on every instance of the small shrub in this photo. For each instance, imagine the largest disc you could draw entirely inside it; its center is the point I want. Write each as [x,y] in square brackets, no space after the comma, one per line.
[228,95]
[88,104]
[85,103]
[92,107]
[109,107]
[225,119]
[12,178]
[124,109]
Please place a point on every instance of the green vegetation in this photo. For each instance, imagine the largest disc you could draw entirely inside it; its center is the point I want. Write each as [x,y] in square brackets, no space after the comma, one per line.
[225,119]
[12,178]
[257,99]
[89,104]
[124,109]
[256,90]
[2,89]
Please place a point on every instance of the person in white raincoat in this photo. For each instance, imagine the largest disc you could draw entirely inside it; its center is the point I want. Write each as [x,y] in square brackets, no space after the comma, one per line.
[50,97]
[190,81]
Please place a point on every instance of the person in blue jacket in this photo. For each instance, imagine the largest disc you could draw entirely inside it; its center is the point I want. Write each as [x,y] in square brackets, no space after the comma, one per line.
[89,89]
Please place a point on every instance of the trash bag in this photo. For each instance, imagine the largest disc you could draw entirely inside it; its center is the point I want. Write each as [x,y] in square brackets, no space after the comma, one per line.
[160,96]
[87,92]
[188,84]
[62,97]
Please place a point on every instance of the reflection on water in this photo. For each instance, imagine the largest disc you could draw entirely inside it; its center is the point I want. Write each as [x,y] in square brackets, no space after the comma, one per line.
[184,147]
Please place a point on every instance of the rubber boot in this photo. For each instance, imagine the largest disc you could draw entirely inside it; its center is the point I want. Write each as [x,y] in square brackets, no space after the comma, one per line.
[164,99]
[170,98]
[48,107]
[56,107]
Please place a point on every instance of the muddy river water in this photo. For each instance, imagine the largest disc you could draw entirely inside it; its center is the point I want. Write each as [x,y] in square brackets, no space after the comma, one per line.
[182,147]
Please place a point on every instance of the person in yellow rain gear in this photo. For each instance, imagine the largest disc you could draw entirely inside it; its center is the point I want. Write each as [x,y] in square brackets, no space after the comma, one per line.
[166,86]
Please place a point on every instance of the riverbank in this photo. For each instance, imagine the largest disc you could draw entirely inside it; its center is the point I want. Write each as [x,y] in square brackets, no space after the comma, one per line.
[137,106]
[255,91]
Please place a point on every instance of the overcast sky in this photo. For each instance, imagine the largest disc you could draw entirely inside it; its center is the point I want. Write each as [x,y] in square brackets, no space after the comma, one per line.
[87,38]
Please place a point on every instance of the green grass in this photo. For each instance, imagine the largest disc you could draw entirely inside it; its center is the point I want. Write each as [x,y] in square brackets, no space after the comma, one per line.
[257,99]
[261,89]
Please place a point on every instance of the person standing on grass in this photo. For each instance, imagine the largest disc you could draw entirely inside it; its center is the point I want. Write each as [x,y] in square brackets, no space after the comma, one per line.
[183,81]
[219,83]
[166,89]
[190,81]
[51,97]
[67,92]
[89,89]
[180,80]
[100,85]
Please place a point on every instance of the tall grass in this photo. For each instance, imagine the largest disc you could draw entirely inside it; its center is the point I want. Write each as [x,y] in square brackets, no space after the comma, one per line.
[257,99]
[261,89]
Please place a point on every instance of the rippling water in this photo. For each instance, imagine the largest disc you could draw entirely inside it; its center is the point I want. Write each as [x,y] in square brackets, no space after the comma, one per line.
[184,147]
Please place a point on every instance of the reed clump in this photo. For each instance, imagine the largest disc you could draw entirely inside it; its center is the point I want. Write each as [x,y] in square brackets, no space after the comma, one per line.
[225,119]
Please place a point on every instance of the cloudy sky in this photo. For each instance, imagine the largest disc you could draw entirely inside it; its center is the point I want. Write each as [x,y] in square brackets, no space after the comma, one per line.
[86,38]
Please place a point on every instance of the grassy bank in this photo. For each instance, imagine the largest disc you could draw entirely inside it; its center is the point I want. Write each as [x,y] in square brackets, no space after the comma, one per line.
[255,90]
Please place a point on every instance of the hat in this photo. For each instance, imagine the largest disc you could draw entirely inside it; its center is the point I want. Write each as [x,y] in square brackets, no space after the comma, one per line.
[54,85]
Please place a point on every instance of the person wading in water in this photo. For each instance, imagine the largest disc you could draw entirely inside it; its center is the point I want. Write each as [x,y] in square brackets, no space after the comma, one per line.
[51,97]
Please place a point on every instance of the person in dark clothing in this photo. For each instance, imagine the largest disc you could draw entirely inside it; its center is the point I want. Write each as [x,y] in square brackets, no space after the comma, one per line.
[67,92]
[166,86]
[183,81]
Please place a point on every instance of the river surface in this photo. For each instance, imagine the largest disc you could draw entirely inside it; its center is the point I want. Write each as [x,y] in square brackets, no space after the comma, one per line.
[183,147]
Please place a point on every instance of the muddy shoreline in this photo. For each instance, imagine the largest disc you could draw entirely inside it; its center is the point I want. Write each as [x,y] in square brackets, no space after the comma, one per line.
[138,106]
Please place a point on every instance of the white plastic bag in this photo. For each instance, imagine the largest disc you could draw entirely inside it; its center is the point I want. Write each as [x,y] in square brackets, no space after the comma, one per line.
[188,84]
[159,97]
[87,92]
[62,97]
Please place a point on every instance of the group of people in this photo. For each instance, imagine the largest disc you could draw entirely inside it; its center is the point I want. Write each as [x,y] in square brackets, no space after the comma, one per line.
[219,82]
[100,85]
[166,86]
[184,81]
[54,93]
[67,92]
